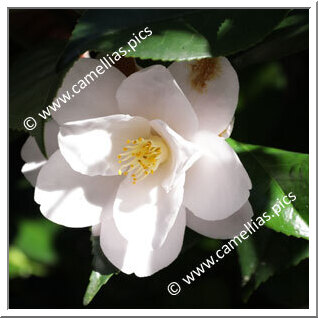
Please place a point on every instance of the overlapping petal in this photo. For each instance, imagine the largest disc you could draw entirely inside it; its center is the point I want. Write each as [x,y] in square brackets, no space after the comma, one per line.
[144,212]
[228,131]
[91,146]
[222,229]
[182,153]
[69,198]
[96,229]
[94,94]
[32,155]
[154,94]
[217,185]
[138,258]
[212,87]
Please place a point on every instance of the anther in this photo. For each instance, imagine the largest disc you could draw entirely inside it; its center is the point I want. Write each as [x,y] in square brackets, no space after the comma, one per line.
[144,157]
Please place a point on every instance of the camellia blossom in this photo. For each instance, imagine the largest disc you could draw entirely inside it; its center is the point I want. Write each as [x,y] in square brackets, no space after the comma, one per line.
[141,157]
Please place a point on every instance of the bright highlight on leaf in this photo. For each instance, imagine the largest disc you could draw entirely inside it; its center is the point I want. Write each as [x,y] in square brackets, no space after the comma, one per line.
[276,173]
[96,281]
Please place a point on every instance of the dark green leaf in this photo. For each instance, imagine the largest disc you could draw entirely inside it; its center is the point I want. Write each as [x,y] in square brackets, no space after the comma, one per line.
[102,271]
[96,281]
[289,289]
[237,30]
[276,173]
[248,259]
[100,263]
[266,253]
[33,84]
[107,30]
[176,34]
[291,36]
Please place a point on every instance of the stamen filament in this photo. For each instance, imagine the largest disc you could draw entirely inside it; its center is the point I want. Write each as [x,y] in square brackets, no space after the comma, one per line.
[142,157]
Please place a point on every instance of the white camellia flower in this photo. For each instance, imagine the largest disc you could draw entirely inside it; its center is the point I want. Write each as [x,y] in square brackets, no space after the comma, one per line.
[139,158]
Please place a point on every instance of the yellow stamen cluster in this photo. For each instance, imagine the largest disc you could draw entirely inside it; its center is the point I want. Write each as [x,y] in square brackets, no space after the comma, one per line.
[142,157]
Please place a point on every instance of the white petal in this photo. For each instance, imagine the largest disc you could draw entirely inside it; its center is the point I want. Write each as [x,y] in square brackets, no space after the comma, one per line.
[34,159]
[139,258]
[217,185]
[97,99]
[96,229]
[154,94]
[91,146]
[182,153]
[222,229]
[228,131]
[211,86]
[51,129]
[32,154]
[144,212]
[69,198]
[86,55]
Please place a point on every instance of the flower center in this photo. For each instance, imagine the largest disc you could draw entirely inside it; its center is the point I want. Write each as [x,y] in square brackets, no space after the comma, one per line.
[142,157]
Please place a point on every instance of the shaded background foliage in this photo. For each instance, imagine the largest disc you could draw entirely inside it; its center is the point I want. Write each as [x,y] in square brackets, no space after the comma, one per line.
[50,265]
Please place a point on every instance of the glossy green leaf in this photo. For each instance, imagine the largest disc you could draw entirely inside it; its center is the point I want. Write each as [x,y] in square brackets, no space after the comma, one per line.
[33,84]
[176,34]
[96,281]
[265,254]
[108,29]
[248,259]
[275,174]
[102,271]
